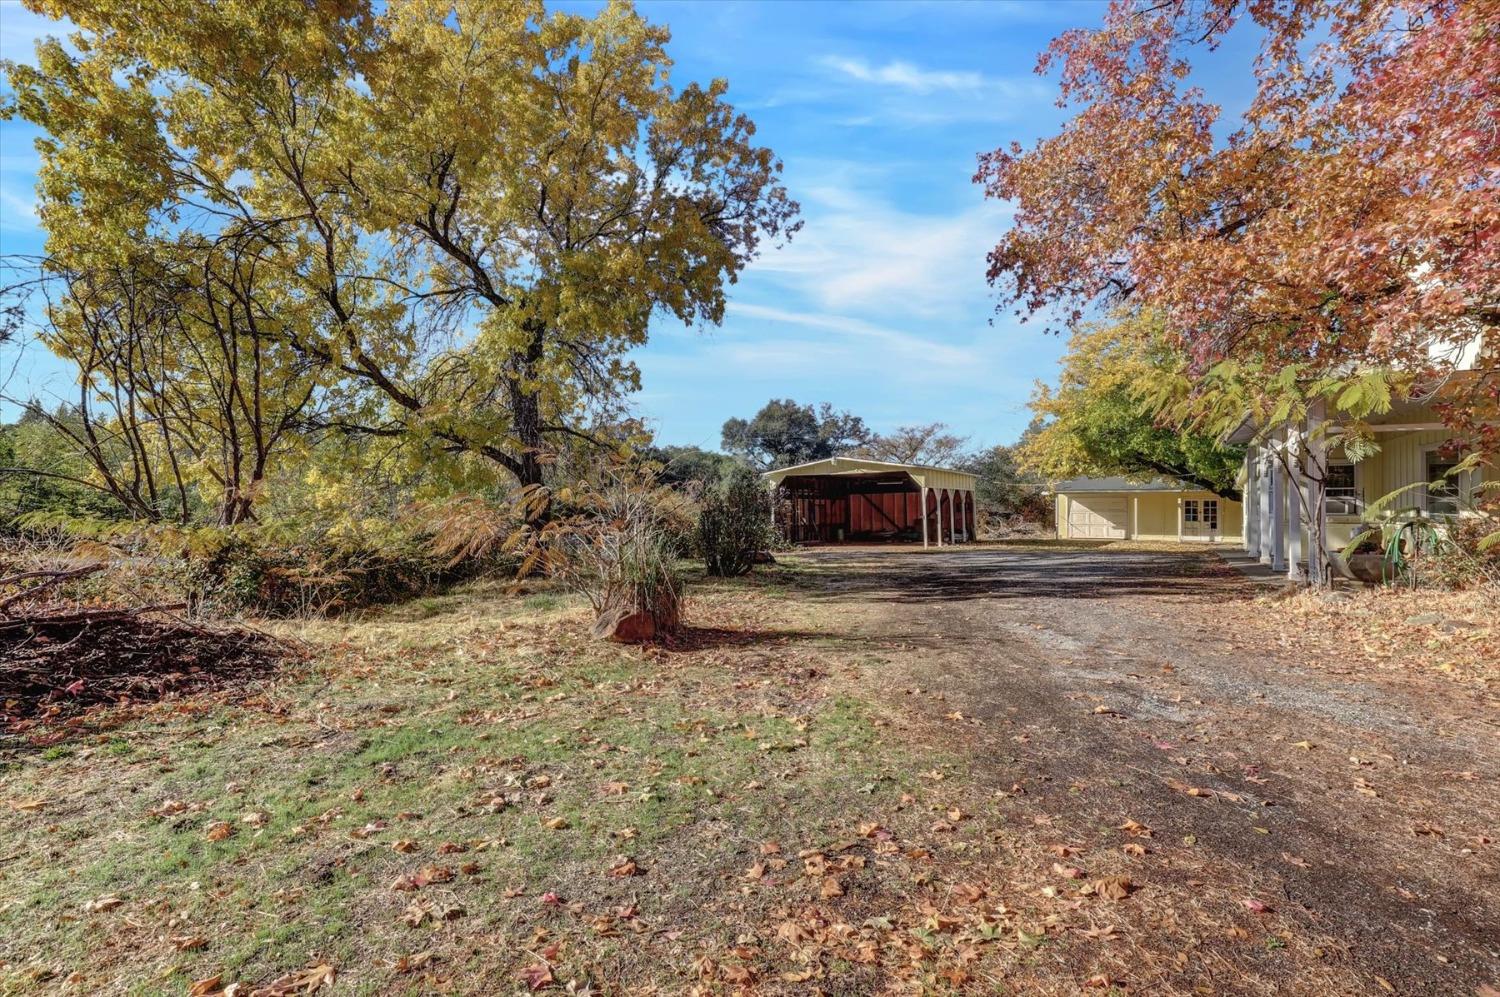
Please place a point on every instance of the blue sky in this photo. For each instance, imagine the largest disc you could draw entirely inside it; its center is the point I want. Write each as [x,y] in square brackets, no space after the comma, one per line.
[879,305]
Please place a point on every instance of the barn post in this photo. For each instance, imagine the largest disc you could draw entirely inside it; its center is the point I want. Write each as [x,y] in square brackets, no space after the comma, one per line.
[952,521]
[938,522]
[924,515]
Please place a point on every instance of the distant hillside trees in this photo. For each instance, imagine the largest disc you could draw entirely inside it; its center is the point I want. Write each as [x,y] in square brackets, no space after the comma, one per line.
[932,444]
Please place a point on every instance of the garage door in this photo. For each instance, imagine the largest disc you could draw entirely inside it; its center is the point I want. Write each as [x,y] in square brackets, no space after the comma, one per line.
[1097,518]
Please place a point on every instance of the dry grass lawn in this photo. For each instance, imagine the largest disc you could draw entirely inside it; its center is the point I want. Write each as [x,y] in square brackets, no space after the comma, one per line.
[467,795]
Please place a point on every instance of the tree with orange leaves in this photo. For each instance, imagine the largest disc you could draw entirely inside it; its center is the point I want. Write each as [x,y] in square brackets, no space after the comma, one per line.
[1348,221]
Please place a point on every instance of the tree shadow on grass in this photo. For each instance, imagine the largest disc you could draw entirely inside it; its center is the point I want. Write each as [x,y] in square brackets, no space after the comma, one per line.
[1075,571]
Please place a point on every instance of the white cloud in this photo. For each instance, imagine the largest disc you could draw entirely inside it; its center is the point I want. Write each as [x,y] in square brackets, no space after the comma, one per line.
[17,212]
[901,92]
[894,344]
[859,253]
[898,73]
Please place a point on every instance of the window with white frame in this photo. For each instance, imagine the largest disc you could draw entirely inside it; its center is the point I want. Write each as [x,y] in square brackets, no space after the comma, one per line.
[1341,497]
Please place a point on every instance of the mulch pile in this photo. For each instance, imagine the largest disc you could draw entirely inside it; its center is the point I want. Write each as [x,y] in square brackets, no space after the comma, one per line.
[61,656]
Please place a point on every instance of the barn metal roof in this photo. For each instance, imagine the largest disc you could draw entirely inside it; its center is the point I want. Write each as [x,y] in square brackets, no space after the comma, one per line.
[924,475]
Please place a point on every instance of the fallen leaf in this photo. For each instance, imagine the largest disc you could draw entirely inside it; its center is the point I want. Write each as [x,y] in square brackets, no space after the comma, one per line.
[433,874]
[207,985]
[416,914]
[302,982]
[411,963]
[219,830]
[1113,887]
[537,977]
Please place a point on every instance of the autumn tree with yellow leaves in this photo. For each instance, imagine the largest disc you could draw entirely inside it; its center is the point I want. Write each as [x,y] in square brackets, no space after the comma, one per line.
[451,221]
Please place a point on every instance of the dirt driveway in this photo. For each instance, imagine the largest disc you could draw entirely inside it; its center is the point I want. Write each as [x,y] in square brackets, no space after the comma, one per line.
[1103,690]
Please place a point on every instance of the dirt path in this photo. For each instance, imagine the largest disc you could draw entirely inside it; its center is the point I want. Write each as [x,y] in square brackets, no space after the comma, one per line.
[1359,812]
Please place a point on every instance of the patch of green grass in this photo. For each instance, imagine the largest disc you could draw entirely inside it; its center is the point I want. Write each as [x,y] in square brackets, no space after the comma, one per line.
[412,725]
[119,747]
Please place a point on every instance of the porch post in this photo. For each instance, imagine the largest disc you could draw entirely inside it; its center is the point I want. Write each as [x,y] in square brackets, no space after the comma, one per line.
[1250,505]
[1263,478]
[1278,512]
[952,519]
[940,492]
[924,515]
[1297,488]
[1317,468]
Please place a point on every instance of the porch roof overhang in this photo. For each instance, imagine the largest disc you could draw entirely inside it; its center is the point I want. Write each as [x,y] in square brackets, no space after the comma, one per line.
[1403,417]
[859,467]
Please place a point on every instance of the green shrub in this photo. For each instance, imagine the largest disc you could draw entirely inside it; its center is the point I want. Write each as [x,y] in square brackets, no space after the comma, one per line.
[734,523]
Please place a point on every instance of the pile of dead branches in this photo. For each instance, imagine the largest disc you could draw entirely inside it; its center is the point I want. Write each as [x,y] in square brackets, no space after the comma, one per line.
[59,655]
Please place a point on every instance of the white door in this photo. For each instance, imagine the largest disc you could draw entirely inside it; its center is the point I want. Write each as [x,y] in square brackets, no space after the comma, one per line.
[1097,518]
[1200,519]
